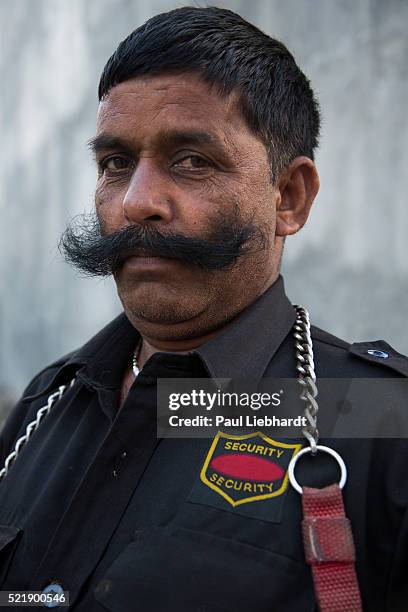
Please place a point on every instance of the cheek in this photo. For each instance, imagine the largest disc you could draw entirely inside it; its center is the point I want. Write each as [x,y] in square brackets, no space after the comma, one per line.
[254,193]
[110,192]
[218,196]
[262,202]
[109,206]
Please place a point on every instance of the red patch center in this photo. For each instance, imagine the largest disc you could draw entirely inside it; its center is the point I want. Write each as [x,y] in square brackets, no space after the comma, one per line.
[247,467]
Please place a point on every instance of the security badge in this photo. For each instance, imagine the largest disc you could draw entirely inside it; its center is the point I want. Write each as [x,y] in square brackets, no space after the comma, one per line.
[246,475]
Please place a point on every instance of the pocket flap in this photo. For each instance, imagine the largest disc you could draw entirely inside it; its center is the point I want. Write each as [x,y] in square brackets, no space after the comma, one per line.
[169,569]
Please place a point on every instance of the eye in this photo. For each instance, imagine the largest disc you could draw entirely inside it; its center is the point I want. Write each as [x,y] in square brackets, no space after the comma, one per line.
[115,163]
[192,162]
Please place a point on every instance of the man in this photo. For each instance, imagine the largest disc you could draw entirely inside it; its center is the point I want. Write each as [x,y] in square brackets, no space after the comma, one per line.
[204,147]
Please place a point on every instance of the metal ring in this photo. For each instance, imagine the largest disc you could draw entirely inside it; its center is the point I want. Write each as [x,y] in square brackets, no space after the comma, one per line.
[304,451]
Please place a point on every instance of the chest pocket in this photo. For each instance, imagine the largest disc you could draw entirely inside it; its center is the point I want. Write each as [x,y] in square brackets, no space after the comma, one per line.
[169,569]
[9,537]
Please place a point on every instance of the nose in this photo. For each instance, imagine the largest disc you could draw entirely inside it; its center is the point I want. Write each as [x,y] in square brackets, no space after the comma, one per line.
[147,197]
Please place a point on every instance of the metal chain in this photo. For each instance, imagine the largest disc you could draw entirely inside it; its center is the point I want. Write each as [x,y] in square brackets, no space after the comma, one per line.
[136,354]
[306,378]
[306,375]
[32,426]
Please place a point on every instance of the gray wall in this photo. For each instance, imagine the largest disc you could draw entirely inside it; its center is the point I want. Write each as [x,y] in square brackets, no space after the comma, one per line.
[348,266]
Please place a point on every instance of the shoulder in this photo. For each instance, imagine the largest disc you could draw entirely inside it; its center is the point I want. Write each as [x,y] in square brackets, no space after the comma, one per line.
[372,358]
[23,412]
[56,373]
[62,370]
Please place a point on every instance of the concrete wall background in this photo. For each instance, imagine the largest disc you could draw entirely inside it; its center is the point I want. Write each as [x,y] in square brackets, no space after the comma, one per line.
[349,266]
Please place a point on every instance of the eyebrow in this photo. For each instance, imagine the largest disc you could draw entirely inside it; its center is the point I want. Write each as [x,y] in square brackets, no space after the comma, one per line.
[106,141]
[102,142]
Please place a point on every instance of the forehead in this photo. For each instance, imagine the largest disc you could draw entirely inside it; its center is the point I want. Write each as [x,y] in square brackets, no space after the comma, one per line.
[146,105]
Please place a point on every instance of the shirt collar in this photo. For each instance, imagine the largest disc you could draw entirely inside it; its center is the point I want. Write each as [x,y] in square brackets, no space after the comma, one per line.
[242,350]
[246,346]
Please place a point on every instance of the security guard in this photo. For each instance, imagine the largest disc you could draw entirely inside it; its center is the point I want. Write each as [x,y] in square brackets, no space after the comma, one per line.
[204,147]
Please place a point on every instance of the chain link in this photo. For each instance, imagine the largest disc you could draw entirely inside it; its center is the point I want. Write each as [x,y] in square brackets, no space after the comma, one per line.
[32,426]
[306,375]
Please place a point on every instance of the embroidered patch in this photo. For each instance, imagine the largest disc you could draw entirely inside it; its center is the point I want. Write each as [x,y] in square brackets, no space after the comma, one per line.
[249,468]
[246,475]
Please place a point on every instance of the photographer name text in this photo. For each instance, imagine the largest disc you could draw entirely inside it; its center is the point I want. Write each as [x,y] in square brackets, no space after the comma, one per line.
[248,420]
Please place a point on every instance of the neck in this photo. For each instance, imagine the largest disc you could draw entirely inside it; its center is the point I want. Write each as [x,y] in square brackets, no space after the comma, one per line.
[183,346]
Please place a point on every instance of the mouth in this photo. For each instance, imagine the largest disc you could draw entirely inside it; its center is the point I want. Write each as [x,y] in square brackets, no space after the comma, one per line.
[139,252]
[140,260]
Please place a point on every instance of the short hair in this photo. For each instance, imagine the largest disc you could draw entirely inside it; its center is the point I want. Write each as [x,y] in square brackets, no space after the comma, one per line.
[274,96]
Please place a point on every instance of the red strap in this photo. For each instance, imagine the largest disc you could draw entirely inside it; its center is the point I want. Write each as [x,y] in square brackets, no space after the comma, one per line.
[329,550]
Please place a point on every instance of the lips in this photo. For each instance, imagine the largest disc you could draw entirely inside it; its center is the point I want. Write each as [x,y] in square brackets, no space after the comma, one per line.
[139,253]
[140,258]
[247,467]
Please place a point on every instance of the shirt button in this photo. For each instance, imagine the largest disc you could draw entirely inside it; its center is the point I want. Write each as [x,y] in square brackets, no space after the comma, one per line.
[104,587]
[380,354]
[52,589]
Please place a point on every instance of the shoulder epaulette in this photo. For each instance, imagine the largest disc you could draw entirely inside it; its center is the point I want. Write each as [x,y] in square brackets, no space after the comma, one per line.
[382,354]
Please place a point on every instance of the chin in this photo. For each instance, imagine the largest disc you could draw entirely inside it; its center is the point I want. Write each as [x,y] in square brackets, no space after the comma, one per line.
[161,306]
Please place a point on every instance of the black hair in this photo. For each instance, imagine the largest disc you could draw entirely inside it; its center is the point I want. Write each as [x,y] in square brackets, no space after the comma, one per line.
[230,54]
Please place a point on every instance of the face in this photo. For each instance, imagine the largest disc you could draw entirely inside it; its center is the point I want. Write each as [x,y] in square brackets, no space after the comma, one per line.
[175,156]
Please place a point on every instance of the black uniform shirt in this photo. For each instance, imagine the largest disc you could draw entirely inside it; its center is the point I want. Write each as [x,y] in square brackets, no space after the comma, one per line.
[96,503]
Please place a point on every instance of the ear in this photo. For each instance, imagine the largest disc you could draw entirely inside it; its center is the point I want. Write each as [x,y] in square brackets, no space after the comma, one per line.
[298,186]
